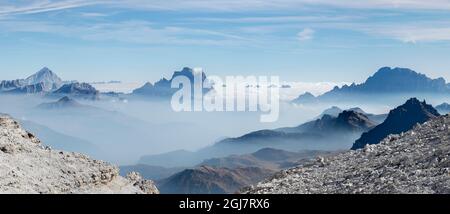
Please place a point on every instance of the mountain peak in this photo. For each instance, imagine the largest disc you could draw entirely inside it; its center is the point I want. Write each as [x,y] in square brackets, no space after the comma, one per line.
[45,70]
[65,99]
[305,97]
[84,90]
[46,76]
[354,121]
[400,119]
[65,102]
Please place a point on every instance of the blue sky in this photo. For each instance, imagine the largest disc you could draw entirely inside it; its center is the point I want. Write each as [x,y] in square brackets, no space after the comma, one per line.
[299,40]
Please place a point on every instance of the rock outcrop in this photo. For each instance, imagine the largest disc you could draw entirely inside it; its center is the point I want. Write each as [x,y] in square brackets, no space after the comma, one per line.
[417,161]
[26,166]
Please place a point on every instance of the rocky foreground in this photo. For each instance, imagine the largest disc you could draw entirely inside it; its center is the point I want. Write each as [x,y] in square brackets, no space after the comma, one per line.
[26,166]
[417,161]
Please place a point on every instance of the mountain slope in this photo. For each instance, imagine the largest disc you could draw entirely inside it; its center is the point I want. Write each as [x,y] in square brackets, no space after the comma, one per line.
[401,119]
[59,141]
[415,162]
[28,167]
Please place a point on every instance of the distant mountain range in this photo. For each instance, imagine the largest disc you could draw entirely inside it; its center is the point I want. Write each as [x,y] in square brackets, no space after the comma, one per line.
[385,81]
[400,119]
[46,82]
[335,111]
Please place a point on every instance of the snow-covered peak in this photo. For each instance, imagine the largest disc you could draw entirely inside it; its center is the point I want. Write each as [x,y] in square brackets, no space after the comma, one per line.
[45,76]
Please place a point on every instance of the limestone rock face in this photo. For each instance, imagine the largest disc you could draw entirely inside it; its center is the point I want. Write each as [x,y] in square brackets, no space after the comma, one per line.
[26,166]
[417,161]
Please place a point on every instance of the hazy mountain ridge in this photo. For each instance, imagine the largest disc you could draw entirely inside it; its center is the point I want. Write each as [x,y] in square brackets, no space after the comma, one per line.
[59,141]
[267,158]
[414,162]
[443,108]
[347,123]
[234,168]
[64,102]
[328,132]
[211,180]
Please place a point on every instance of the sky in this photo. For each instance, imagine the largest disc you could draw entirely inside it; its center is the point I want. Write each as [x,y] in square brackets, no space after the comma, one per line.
[297,40]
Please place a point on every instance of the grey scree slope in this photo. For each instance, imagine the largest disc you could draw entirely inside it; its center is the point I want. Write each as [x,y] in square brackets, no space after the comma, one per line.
[413,162]
[26,166]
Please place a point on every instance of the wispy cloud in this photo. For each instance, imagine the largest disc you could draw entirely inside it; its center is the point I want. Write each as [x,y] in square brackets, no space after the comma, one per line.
[413,34]
[94,14]
[277,19]
[139,32]
[39,6]
[305,34]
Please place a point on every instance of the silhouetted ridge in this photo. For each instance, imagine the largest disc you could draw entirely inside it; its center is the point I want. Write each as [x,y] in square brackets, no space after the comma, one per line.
[401,119]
